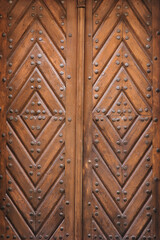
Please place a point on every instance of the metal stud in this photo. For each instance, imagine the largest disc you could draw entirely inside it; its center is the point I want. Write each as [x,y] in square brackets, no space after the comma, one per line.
[10,189]
[158,150]
[68,160]
[3,34]
[96,213]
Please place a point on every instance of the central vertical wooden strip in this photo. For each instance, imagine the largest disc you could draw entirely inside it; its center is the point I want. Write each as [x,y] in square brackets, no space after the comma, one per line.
[70,119]
[156,111]
[79,123]
[87,162]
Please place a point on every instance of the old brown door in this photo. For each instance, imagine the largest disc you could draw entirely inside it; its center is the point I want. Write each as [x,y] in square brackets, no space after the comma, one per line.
[121,157]
[79,114]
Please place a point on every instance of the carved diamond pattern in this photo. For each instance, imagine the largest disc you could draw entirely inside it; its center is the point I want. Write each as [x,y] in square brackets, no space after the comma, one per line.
[122,114]
[35,119]
[35,112]
[122,126]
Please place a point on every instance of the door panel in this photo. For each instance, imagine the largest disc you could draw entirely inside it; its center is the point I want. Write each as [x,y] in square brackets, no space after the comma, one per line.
[119,202]
[38,99]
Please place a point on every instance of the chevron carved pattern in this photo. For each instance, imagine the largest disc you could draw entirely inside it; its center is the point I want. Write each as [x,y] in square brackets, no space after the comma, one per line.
[36,119]
[122,120]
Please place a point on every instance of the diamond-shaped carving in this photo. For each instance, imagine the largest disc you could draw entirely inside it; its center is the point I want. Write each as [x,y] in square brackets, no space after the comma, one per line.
[122,114]
[35,114]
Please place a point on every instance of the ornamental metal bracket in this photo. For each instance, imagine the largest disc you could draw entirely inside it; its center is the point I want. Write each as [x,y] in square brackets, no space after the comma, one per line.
[81,3]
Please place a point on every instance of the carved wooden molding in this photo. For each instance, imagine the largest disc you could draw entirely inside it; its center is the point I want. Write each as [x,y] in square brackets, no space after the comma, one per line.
[81,3]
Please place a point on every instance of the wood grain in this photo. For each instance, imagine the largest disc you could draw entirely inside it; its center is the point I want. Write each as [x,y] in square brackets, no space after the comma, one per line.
[123,105]
[79,111]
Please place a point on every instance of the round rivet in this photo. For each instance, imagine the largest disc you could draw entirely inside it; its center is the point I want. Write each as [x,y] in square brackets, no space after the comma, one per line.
[61,165]
[155,120]
[3,34]
[68,160]
[158,150]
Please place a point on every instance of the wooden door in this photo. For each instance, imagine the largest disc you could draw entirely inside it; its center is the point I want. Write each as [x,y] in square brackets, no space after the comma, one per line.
[121,115]
[37,119]
[79,112]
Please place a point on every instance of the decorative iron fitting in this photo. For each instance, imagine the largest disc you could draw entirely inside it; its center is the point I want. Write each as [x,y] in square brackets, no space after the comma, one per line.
[81,3]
